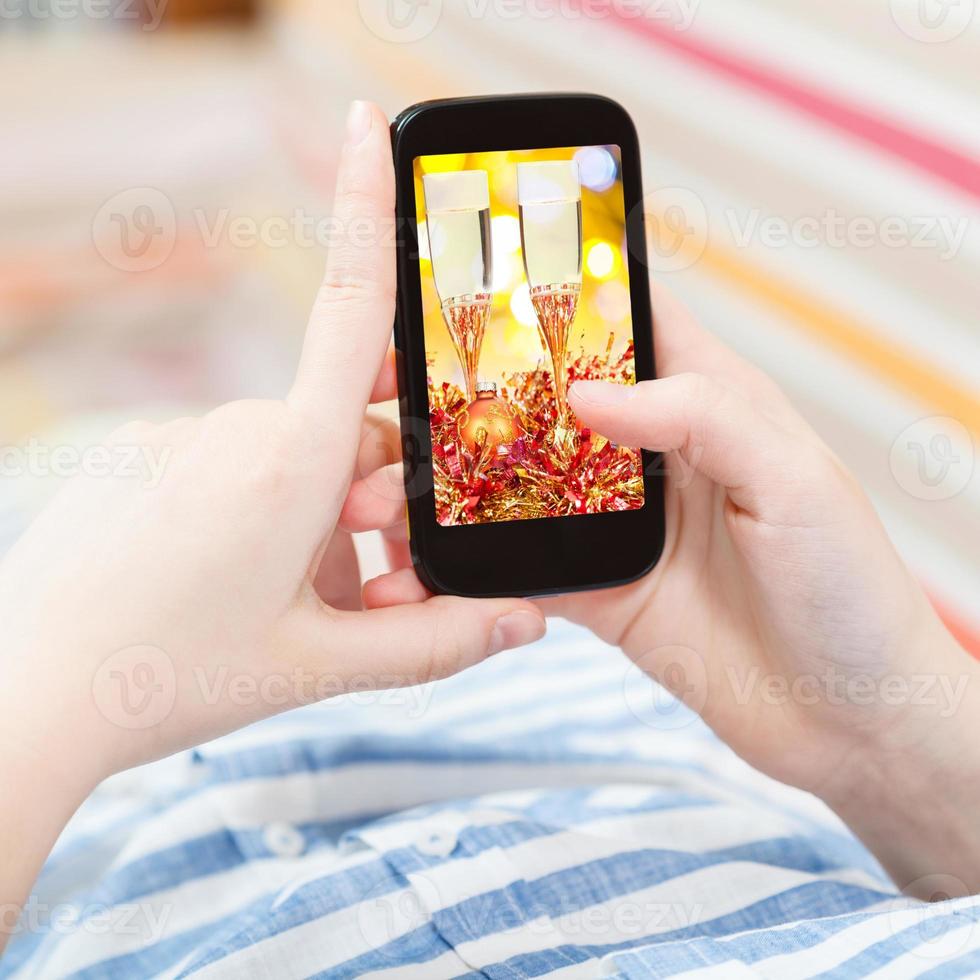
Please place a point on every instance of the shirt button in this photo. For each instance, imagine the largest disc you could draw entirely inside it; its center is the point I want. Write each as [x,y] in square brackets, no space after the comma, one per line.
[284,840]
[438,842]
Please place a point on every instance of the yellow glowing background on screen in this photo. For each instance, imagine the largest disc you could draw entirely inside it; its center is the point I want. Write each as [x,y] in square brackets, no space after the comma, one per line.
[511,342]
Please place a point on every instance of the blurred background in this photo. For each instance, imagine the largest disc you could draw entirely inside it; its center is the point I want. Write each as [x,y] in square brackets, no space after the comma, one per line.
[813,190]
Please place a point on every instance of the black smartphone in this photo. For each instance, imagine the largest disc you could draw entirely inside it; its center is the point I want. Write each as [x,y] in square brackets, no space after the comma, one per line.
[521,269]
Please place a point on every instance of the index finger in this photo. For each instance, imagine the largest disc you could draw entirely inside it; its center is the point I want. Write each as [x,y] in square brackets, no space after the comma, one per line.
[350,324]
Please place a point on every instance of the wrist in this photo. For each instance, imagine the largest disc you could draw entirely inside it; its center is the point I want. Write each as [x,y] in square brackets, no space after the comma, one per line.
[49,741]
[41,793]
[911,791]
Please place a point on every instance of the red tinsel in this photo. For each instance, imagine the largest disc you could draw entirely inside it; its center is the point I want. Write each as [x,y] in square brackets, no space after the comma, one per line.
[549,471]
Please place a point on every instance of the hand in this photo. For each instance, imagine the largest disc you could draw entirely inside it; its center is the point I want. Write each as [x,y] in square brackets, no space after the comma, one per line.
[338,579]
[807,639]
[779,610]
[126,607]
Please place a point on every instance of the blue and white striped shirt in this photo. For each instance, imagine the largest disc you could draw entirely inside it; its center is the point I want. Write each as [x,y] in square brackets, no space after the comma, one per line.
[549,813]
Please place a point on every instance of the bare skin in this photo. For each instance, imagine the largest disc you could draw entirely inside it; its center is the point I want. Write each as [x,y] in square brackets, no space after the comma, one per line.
[780,610]
[776,567]
[234,561]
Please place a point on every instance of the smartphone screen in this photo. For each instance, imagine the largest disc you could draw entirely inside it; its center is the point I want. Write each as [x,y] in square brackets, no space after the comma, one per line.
[524,275]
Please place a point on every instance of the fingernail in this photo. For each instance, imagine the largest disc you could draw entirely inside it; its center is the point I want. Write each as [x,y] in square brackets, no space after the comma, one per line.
[515,630]
[358,122]
[602,393]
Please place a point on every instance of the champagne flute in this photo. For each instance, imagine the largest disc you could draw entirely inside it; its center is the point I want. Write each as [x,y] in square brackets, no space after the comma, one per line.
[550,198]
[457,207]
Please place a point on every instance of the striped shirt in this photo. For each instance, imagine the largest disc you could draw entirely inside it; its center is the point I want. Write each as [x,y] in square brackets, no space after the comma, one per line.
[549,813]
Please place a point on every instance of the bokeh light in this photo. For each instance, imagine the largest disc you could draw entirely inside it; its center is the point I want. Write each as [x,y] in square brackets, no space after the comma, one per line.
[512,340]
[522,307]
[505,232]
[601,259]
[612,302]
[597,167]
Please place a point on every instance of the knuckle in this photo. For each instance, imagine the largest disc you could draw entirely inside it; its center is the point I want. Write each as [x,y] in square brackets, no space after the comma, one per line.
[272,475]
[447,649]
[358,203]
[277,460]
[701,397]
[353,286]
[705,393]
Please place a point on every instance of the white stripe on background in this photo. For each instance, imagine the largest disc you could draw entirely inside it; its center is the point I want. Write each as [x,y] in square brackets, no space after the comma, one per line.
[698,897]
[780,39]
[712,104]
[340,936]
[840,947]
[188,906]
[930,954]
[329,795]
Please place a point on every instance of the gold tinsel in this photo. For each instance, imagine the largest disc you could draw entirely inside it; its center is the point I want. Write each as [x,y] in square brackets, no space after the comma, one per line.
[550,470]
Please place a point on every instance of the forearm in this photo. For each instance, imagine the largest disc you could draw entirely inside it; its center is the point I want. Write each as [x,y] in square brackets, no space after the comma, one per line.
[39,797]
[914,797]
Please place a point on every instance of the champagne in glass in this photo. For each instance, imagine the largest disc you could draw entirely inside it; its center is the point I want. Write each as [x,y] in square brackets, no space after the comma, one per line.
[550,199]
[457,210]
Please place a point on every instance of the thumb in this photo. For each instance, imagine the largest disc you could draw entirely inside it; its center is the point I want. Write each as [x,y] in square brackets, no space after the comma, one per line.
[399,646]
[717,432]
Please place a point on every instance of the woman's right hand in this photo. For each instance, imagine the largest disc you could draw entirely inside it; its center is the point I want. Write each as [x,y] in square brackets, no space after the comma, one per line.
[780,610]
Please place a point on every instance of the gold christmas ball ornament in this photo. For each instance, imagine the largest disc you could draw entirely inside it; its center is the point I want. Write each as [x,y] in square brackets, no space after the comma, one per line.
[488,420]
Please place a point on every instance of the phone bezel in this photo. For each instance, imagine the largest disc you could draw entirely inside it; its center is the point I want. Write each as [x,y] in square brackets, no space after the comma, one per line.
[544,556]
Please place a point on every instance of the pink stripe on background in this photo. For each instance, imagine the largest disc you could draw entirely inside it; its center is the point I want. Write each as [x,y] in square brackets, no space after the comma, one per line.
[943,162]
